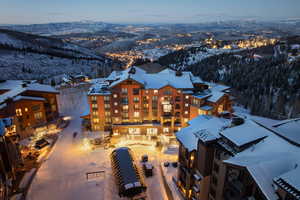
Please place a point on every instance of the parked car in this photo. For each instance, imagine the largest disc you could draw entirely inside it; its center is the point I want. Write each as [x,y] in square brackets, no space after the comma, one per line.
[148,169]
[39,144]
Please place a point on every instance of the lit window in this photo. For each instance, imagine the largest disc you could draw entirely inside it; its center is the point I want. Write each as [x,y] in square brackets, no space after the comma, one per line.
[136,114]
[167,107]
[116,111]
[96,120]
[220,108]
[107,106]
[186,112]
[187,97]
[166,130]
[19,112]
[202,112]
[136,99]
[155,91]
[94,98]
[116,103]
[151,131]
[94,105]
[186,120]
[106,98]
[38,115]
[125,107]
[115,95]
[147,91]
[124,91]
[134,131]
[26,109]
[107,114]
[136,106]
[116,119]
[186,105]
[53,108]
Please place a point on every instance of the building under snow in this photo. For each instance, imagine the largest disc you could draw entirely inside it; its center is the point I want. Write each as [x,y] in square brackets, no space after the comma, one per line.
[139,103]
[31,104]
[239,159]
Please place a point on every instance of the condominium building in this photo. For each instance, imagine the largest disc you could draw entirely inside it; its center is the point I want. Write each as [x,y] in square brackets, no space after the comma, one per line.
[239,159]
[139,103]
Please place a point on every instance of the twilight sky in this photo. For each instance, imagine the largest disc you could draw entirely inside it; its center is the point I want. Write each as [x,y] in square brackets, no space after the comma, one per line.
[145,11]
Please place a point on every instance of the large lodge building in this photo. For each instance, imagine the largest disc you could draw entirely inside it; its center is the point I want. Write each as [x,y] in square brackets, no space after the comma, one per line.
[139,103]
[30,104]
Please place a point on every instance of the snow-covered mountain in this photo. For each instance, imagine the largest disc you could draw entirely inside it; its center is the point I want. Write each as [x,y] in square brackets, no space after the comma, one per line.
[27,56]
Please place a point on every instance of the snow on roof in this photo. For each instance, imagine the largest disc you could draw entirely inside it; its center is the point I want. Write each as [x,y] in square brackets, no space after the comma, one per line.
[263,169]
[218,87]
[289,129]
[206,107]
[16,87]
[215,96]
[18,98]
[201,128]
[3,106]
[292,178]
[156,81]
[245,133]
[271,157]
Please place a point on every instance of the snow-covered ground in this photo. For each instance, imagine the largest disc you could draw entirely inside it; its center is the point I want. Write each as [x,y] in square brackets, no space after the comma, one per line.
[63,175]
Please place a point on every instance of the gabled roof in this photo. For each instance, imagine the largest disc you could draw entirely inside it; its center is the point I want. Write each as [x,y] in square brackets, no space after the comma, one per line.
[204,128]
[289,129]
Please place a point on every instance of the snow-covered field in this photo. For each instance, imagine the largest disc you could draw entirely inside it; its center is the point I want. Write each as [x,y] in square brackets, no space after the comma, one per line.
[63,175]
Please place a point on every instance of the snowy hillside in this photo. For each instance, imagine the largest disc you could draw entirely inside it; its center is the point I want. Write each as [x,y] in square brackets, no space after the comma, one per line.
[26,56]
[183,58]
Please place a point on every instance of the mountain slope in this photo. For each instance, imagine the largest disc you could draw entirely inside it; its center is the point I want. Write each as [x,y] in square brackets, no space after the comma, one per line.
[27,56]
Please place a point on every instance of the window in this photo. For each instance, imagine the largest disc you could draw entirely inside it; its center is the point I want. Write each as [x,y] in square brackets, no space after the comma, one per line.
[35,107]
[53,108]
[124,91]
[147,91]
[167,108]
[187,97]
[167,92]
[154,98]
[151,131]
[134,131]
[94,98]
[38,115]
[96,120]
[186,105]
[95,113]
[177,106]
[26,109]
[220,108]
[116,119]
[19,112]
[124,100]
[136,114]
[94,105]
[202,112]
[115,103]
[136,91]
[107,106]
[136,99]
[115,95]
[186,120]
[155,91]
[107,120]
[166,130]
[186,112]
[125,107]
[116,111]
[106,98]
[125,115]
[107,114]
[136,106]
